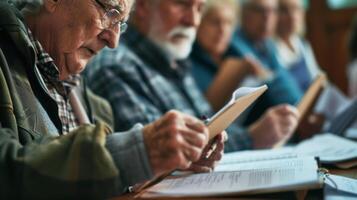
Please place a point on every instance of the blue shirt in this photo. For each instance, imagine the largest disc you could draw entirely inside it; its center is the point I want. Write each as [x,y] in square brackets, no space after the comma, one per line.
[282,88]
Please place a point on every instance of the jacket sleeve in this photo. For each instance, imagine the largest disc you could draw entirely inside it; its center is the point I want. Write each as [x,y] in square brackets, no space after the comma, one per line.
[77,165]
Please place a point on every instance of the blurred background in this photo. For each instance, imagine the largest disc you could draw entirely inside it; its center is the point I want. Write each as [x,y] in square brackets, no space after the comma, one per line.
[328,27]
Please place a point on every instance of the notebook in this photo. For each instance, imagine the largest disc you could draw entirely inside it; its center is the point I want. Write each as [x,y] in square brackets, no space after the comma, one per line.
[242,98]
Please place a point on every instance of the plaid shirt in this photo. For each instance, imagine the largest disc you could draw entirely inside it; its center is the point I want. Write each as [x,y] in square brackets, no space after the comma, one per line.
[58,90]
[142,84]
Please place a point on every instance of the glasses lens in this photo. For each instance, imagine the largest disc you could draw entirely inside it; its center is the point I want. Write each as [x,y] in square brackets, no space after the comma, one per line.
[111,18]
[123,27]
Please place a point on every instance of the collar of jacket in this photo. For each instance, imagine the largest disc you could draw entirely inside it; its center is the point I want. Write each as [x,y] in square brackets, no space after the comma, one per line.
[12,21]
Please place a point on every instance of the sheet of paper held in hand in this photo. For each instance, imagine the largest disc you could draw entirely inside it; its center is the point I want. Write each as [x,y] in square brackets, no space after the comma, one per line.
[242,98]
[279,175]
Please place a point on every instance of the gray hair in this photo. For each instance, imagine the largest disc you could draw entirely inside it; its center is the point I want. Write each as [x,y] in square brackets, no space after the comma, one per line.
[211,4]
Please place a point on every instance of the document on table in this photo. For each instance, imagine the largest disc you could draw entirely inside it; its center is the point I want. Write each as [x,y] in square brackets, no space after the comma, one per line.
[302,173]
[260,164]
[340,188]
[258,155]
[329,148]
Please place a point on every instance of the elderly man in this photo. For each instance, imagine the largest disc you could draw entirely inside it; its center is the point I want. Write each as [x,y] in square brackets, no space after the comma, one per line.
[147,75]
[48,145]
[253,39]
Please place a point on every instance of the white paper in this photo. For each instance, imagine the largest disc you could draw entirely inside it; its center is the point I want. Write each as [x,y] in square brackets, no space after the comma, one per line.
[340,188]
[352,132]
[261,164]
[330,148]
[267,179]
[257,155]
[331,102]
[341,183]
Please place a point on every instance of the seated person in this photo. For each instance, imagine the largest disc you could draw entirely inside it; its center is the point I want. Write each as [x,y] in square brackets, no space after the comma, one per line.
[253,39]
[293,51]
[148,75]
[216,73]
[296,55]
[50,144]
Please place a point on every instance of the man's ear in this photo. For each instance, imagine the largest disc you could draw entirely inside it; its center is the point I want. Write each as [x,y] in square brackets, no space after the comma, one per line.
[51,5]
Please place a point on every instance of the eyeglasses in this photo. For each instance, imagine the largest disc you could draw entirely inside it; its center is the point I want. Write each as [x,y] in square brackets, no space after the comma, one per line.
[112,18]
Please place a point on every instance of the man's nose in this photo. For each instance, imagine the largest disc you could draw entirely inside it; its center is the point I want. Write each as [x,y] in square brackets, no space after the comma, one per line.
[110,37]
[192,17]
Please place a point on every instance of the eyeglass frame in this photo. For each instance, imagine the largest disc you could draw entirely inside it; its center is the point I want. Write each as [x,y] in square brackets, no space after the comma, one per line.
[123,26]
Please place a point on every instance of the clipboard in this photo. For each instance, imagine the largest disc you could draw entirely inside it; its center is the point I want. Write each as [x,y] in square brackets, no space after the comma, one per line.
[242,98]
[311,94]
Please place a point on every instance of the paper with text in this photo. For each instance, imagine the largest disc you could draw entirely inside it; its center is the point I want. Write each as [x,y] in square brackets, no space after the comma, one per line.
[331,149]
[301,173]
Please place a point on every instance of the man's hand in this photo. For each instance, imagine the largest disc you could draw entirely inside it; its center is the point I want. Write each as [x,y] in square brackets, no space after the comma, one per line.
[212,153]
[275,127]
[256,68]
[174,141]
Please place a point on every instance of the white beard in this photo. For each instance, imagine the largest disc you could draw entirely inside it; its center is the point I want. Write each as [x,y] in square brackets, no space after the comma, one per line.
[176,50]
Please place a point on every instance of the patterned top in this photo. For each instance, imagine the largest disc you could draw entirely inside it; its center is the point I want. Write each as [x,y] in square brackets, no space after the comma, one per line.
[58,90]
[142,84]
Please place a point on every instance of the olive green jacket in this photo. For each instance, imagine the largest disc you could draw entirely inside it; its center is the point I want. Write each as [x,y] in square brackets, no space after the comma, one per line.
[35,161]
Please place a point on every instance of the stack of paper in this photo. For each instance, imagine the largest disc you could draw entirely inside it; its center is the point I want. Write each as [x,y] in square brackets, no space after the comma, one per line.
[267,177]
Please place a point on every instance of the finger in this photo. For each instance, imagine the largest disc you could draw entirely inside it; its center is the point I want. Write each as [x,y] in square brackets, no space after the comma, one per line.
[194,138]
[286,109]
[199,169]
[190,152]
[288,121]
[182,161]
[225,136]
[216,155]
[198,126]
[194,123]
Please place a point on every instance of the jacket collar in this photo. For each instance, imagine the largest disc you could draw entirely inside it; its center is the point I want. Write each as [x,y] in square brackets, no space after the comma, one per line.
[12,21]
